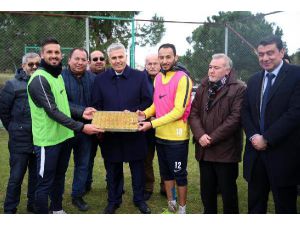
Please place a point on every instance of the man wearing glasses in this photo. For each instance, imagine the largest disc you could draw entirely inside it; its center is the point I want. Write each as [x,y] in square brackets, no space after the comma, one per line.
[97,62]
[97,65]
[15,116]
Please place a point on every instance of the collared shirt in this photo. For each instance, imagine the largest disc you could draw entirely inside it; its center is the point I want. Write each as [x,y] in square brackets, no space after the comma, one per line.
[264,85]
[265,80]
[275,72]
[118,74]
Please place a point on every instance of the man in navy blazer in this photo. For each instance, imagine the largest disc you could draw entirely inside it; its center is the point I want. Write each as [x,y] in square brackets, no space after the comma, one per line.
[117,89]
[271,119]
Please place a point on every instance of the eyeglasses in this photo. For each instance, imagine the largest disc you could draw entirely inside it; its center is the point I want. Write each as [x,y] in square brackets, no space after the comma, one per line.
[100,58]
[31,64]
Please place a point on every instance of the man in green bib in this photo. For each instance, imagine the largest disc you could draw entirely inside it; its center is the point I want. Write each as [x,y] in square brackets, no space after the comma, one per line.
[52,125]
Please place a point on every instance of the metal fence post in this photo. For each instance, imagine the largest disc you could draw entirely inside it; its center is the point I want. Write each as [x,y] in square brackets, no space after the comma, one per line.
[226,40]
[132,48]
[87,35]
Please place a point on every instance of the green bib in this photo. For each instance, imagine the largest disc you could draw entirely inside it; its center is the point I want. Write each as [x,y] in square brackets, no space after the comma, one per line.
[46,131]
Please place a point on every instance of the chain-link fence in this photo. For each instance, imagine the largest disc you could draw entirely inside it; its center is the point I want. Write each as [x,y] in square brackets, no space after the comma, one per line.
[19,32]
[23,32]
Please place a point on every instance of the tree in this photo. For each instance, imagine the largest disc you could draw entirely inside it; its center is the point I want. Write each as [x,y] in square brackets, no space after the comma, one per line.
[208,39]
[28,30]
[21,31]
[295,58]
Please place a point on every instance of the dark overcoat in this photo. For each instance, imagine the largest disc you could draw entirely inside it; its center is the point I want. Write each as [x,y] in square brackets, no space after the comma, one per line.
[129,91]
[282,126]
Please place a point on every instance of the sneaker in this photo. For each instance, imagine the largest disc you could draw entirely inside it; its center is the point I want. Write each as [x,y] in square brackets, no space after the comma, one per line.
[172,206]
[59,212]
[181,210]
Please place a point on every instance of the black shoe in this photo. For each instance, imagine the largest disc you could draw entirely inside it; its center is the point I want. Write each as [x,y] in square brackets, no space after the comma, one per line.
[80,203]
[143,207]
[147,195]
[163,193]
[111,208]
[30,208]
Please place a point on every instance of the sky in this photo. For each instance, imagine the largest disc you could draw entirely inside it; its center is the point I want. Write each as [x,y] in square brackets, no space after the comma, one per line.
[177,33]
[186,10]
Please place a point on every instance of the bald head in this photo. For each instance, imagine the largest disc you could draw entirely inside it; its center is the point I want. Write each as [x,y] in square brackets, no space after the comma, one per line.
[152,64]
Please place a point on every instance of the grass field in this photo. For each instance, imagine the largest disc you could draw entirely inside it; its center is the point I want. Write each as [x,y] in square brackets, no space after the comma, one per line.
[4,77]
[97,198]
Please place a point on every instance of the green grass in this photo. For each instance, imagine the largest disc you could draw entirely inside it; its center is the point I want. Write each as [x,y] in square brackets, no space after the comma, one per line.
[4,77]
[97,198]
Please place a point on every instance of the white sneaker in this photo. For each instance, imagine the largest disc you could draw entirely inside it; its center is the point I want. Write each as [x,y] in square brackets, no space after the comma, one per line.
[59,212]
[182,210]
[172,207]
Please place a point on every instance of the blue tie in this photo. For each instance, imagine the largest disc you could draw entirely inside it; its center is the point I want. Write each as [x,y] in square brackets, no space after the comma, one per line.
[265,98]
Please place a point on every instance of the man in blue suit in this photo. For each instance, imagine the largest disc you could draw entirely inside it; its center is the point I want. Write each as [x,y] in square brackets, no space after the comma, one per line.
[122,88]
[271,119]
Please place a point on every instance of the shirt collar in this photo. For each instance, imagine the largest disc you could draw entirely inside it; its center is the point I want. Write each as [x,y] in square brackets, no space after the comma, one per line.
[124,73]
[276,70]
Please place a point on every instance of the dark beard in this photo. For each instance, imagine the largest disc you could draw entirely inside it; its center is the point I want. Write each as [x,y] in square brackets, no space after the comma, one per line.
[53,70]
[171,68]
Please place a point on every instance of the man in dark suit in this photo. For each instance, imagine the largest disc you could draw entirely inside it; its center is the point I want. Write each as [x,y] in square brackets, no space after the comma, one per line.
[117,89]
[271,119]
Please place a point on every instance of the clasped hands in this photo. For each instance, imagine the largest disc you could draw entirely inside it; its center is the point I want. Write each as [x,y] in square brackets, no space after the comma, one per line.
[259,142]
[205,140]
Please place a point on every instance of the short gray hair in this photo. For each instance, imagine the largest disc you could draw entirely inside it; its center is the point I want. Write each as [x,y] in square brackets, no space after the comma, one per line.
[29,55]
[228,61]
[115,46]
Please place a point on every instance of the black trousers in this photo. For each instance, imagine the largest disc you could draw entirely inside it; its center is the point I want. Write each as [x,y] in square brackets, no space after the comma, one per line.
[222,175]
[149,172]
[52,164]
[285,198]
[115,180]
[18,166]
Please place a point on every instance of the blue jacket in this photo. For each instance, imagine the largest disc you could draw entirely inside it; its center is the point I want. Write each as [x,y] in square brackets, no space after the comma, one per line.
[129,91]
[79,90]
[15,113]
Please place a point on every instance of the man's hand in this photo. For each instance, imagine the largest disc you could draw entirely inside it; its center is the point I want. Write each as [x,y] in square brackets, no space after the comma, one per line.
[205,140]
[141,115]
[259,143]
[88,113]
[144,126]
[91,129]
